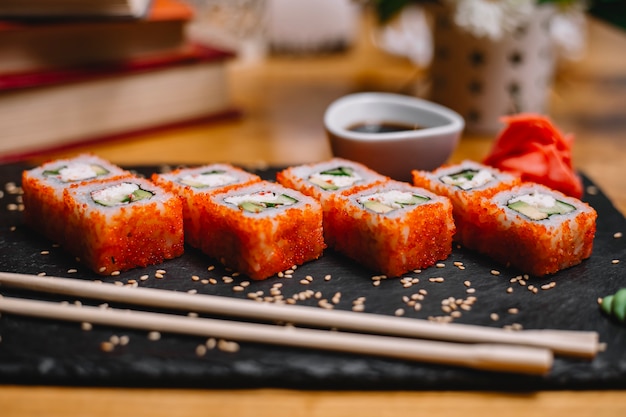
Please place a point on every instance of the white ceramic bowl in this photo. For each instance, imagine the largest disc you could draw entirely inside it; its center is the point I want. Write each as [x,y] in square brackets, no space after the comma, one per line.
[394,153]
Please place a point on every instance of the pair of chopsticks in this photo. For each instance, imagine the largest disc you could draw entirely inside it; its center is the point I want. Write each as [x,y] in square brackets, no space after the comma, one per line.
[485,348]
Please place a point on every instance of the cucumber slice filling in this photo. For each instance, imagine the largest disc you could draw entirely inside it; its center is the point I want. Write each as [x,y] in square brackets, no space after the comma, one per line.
[76,172]
[335,178]
[537,206]
[389,201]
[468,179]
[120,194]
[260,201]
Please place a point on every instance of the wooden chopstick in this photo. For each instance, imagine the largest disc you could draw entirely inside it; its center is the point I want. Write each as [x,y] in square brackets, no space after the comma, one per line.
[573,343]
[502,358]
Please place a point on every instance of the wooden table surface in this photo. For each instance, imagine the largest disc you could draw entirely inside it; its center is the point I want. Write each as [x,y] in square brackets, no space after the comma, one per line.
[283,100]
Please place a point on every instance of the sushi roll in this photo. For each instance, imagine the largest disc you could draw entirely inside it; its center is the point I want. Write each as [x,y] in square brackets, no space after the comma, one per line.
[43,189]
[122,223]
[324,179]
[465,184]
[534,229]
[392,228]
[194,185]
[262,228]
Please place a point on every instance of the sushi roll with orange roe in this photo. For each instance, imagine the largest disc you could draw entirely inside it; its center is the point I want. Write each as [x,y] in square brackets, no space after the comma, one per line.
[43,189]
[534,229]
[465,184]
[194,185]
[262,228]
[122,223]
[324,179]
[392,228]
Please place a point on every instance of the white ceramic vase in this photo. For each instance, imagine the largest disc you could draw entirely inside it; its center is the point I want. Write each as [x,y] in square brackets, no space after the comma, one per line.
[483,79]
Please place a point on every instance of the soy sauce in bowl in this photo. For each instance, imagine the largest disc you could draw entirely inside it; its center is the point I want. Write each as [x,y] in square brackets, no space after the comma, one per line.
[383,127]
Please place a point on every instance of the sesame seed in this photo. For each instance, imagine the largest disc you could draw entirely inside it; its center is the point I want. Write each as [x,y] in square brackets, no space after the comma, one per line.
[227,280]
[327,277]
[107,346]
[470,290]
[211,268]
[467,283]
[521,282]
[45,252]
[309,278]
[615,261]
[86,326]
[102,269]
[41,274]
[446,308]
[399,312]
[72,271]
[457,263]
[195,278]
[124,340]
[212,281]
[210,343]
[494,316]
[159,275]
[238,288]
[304,282]
[617,235]
[227,346]
[144,277]
[592,190]
[289,271]
[513,310]
[288,276]
[200,350]
[376,283]
[509,290]
[114,339]
[244,283]
[417,307]
[440,265]
[423,291]
[161,271]
[154,336]
[358,307]
[546,287]
[456,314]
[495,272]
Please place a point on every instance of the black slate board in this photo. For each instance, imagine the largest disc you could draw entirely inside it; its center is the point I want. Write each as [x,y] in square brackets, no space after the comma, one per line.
[39,351]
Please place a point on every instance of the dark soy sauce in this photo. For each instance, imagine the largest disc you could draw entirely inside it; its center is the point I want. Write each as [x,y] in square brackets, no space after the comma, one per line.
[383,127]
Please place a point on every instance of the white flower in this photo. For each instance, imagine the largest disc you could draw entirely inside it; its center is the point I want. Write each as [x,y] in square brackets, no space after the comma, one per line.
[491,18]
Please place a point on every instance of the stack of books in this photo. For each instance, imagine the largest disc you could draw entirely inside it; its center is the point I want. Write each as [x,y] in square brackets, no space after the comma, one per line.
[69,77]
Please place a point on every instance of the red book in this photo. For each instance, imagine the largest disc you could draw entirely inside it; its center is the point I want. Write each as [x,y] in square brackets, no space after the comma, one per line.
[54,109]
